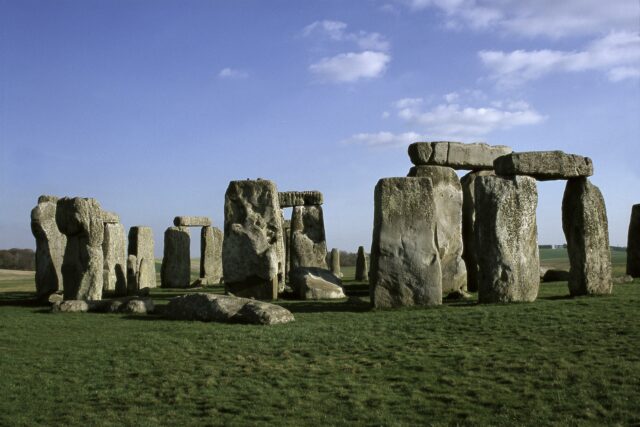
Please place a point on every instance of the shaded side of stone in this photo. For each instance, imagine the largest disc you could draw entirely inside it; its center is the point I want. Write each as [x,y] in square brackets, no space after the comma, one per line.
[288,199]
[211,255]
[114,248]
[362,268]
[544,165]
[141,245]
[633,243]
[50,247]
[176,262]
[308,242]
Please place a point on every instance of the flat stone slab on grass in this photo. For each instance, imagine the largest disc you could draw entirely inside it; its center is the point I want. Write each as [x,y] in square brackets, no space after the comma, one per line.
[290,199]
[226,309]
[456,155]
[129,305]
[192,221]
[315,283]
[544,165]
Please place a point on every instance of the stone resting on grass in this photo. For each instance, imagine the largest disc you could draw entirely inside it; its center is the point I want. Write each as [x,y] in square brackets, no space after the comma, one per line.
[311,283]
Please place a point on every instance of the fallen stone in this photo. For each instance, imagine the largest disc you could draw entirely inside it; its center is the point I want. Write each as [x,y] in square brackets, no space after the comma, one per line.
[362,267]
[555,275]
[114,249]
[447,193]
[141,245]
[622,279]
[50,247]
[457,296]
[70,306]
[544,165]
[253,246]
[58,297]
[315,283]
[308,242]
[456,155]
[288,199]
[192,221]
[585,225]
[176,262]
[405,261]
[633,243]
[508,264]
[228,309]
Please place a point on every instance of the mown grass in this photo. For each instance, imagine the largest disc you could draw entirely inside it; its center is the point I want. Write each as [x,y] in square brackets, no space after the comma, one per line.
[558,361]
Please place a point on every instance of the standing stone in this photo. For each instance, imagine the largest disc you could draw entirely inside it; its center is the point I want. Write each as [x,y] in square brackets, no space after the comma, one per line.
[448,199]
[633,243]
[210,255]
[80,220]
[335,262]
[50,246]
[585,225]
[133,277]
[469,252]
[508,264]
[308,242]
[362,270]
[176,262]
[405,262]
[253,241]
[282,256]
[141,245]
[286,231]
[114,248]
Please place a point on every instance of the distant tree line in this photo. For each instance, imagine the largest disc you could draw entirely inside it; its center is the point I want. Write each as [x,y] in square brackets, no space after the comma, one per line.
[17,259]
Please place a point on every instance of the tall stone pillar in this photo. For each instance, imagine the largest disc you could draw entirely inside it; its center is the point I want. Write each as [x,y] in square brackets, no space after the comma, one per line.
[335,262]
[141,246]
[362,270]
[210,255]
[308,241]
[50,247]
[176,262]
[114,248]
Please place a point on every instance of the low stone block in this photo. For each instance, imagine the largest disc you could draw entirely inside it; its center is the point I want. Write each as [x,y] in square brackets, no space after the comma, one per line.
[456,155]
[544,165]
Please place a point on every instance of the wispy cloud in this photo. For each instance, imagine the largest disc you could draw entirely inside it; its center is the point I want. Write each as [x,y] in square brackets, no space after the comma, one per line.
[231,73]
[384,139]
[337,31]
[351,67]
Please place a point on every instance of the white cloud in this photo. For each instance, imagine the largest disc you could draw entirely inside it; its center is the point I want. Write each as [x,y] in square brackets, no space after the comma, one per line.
[351,67]
[618,53]
[407,103]
[384,139]
[552,18]
[337,31]
[231,73]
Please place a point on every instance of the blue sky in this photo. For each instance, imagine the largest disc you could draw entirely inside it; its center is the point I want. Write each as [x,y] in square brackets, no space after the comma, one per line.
[152,107]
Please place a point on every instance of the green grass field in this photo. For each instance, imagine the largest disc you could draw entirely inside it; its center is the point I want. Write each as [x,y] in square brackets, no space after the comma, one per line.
[558,361]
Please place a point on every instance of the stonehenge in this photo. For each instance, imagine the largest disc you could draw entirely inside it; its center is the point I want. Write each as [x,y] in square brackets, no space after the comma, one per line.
[308,245]
[289,199]
[176,262]
[544,165]
[114,248]
[191,221]
[210,255]
[362,267]
[335,262]
[141,270]
[456,155]
[50,246]
[633,243]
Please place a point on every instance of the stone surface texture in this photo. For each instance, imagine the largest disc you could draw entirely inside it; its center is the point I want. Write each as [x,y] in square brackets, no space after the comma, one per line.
[544,165]
[633,243]
[286,235]
[176,261]
[192,221]
[585,225]
[469,251]
[447,193]
[211,255]
[50,247]
[288,199]
[141,245]
[253,244]
[308,242]
[310,283]
[456,155]
[114,249]
[362,266]
[405,261]
[335,262]
[508,264]
[110,217]
[80,219]
[228,309]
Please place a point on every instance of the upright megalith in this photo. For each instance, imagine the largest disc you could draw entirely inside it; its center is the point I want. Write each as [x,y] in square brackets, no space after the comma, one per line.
[470,249]
[141,246]
[633,243]
[176,261]
[362,269]
[335,262]
[253,240]
[544,165]
[505,226]
[114,248]
[447,193]
[50,246]
[585,225]
[80,219]
[286,231]
[308,242]
[210,255]
[405,261]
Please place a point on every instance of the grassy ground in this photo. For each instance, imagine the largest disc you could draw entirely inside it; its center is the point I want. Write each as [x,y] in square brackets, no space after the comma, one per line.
[557,361]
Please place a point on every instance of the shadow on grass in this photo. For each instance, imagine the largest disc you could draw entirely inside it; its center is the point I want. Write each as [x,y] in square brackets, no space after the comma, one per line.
[348,306]
[21,299]
[556,297]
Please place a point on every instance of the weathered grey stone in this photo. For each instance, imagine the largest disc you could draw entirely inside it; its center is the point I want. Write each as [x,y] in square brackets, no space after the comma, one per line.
[70,306]
[192,221]
[544,165]
[282,256]
[133,278]
[223,308]
[617,280]
[210,255]
[362,268]
[555,275]
[335,262]
[114,249]
[585,225]
[141,245]
[447,194]
[508,262]
[311,283]
[308,242]
[138,306]
[176,262]
[288,199]
[469,251]
[80,220]
[110,217]
[633,243]
[50,247]
[286,234]
[253,242]
[456,155]
[405,261]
